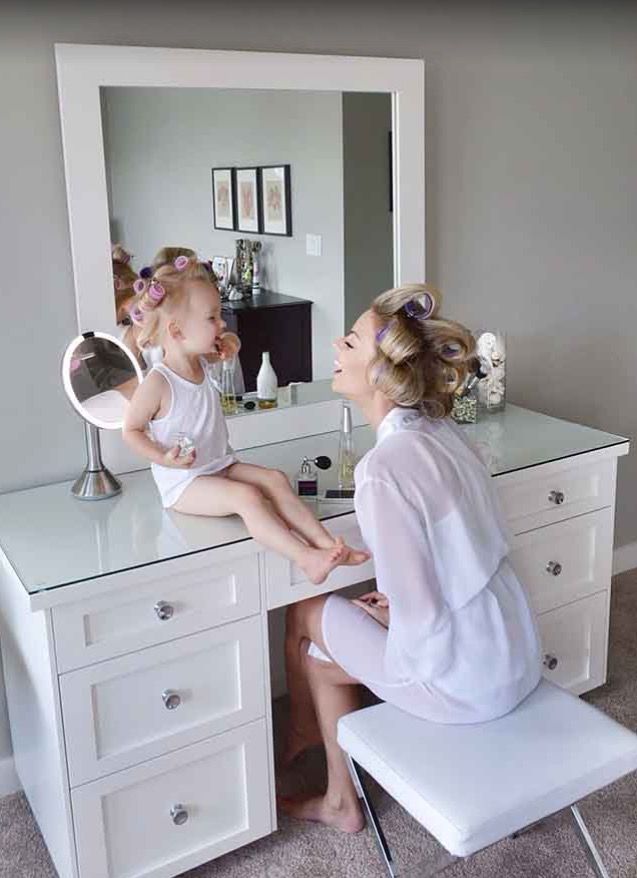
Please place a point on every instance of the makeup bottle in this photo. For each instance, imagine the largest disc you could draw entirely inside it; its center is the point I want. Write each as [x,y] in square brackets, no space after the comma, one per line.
[346,456]
[267,383]
[228,393]
[306,480]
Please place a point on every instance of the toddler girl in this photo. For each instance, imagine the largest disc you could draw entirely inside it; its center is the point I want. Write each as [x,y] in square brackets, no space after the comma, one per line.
[175,421]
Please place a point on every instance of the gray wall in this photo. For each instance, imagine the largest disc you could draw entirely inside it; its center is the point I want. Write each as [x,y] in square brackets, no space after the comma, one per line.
[369,251]
[531,201]
[161,144]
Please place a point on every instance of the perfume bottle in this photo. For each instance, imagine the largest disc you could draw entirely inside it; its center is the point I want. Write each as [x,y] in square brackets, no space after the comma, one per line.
[267,383]
[346,456]
[306,480]
[228,394]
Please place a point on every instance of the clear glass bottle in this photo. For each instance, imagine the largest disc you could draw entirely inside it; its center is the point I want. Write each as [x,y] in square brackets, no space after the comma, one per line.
[346,454]
[228,394]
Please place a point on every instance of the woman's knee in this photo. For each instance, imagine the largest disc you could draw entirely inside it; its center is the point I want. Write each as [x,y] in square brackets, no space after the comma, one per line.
[300,617]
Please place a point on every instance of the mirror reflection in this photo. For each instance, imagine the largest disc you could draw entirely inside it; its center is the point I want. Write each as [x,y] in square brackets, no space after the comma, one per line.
[286,194]
[100,377]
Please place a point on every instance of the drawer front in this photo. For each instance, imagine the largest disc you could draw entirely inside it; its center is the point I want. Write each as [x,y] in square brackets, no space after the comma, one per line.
[155,604]
[574,643]
[565,561]
[171,814]
[130,709]
[286,583]
[532,499]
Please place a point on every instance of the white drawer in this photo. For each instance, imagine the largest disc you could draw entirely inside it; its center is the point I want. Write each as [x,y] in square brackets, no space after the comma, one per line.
[565,561]
[123,822]
[286,583]
[531,499]
[156,603]
[574,642]
[136,707]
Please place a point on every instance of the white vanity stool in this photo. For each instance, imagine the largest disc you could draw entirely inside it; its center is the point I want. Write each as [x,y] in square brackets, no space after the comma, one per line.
[472,785]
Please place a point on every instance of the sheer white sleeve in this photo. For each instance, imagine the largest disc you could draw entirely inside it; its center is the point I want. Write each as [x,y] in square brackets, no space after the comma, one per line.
[419,639]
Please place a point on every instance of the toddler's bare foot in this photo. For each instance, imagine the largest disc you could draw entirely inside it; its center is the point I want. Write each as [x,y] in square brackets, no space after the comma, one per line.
[353,557]
[348,817]
[317,564]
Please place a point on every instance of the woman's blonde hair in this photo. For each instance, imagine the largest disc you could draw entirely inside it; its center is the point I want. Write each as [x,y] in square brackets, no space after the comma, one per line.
[160,295]
[421,358]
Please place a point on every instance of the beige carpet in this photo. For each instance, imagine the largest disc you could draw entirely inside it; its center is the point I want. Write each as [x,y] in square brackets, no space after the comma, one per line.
[305,851]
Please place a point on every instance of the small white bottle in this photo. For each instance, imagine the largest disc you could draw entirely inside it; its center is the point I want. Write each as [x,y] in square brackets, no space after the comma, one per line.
[267,383]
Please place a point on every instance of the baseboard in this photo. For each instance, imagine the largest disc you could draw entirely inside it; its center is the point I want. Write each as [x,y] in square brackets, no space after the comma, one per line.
[625,558]
[9,782]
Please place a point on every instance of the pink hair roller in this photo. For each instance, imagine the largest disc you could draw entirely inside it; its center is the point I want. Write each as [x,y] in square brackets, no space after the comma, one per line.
[136,314]
[181,262]
[156,292]
[139,286]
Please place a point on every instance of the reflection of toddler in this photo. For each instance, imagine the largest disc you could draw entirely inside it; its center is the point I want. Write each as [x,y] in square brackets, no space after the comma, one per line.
[179,308]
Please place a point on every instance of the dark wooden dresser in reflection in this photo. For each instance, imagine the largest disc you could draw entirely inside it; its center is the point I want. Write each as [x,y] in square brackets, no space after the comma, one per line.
[276,323]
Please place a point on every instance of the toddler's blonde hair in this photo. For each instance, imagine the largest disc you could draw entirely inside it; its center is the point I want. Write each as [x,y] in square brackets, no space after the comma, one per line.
[123,279]
[151,315]
[419,362]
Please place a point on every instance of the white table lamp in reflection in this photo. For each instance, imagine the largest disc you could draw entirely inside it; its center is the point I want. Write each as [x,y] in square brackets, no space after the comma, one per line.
[100,375]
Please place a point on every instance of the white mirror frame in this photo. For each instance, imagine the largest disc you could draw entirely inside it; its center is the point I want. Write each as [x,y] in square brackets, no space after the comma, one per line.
[83,69]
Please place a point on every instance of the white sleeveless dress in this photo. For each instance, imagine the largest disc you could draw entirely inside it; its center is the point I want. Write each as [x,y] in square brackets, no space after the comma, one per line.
[195,411]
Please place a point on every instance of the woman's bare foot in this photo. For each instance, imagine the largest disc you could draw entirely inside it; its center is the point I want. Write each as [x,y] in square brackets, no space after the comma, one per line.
[317,564]
[348,817]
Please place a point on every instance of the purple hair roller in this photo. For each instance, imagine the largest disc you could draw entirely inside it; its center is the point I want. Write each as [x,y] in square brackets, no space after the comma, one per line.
[139,286]
[181,262]
[420,308]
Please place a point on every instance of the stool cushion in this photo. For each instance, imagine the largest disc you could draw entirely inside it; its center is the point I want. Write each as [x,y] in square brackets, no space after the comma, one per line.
[472,785]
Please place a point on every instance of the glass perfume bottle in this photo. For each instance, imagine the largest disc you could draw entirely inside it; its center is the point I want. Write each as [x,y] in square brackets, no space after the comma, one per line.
[346,455]
[228,394]
[306,480]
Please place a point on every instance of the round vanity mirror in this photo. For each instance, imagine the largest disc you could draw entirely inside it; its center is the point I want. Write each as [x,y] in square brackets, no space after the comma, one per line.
[100,375]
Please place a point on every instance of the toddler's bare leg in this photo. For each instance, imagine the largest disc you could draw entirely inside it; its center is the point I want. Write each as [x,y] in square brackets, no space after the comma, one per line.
[217,496]
[295,513]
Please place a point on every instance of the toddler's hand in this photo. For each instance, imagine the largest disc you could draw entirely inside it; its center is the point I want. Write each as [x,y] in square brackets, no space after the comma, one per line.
[228,345]
[173,458]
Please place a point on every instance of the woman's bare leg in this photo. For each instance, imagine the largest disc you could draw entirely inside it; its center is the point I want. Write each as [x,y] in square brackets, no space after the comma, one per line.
[334,694]
[295,513]
[303,730]
[218,496]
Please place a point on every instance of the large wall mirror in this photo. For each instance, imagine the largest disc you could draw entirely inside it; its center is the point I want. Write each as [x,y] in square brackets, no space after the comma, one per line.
[145,131]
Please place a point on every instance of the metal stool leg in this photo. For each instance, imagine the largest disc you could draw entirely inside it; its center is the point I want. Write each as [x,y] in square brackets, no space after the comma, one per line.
[445,860]
[379,835]
[588,844]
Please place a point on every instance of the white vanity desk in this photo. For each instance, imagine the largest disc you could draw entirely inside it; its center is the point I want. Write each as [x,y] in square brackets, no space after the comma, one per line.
[135,642]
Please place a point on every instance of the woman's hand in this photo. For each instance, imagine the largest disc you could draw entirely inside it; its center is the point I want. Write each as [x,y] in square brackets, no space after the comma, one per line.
[228,345]
[376,604]
[173,458]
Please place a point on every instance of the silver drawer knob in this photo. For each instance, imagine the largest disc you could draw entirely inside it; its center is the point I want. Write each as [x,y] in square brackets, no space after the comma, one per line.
[171,699]
[179,815]
[550,661]
[556,497]
[554,567]
[164,611]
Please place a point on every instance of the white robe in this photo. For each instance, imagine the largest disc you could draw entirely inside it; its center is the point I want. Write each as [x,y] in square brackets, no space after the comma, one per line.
[462,644]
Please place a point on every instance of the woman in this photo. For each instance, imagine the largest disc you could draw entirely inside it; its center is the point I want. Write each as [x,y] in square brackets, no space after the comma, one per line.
[449,636]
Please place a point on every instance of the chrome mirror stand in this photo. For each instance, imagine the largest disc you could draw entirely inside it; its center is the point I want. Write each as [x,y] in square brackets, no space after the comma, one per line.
[96,482]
